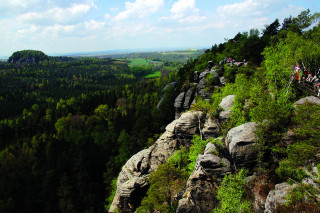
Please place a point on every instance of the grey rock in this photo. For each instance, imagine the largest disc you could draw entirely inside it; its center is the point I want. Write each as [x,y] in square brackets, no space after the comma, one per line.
[211,128]
[227,102]
[224,115]
[188,98]
[200,192]
[222,80]
[241,143]
[215,73]
[187,126]
[277,197]
[311,99]
[196,76]
[203,75]
[132,183]
[178,103]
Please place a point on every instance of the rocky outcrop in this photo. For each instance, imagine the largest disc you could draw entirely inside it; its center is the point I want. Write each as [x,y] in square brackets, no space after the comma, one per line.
[164,93]
[310,99]
[211,128]
[132,182]
[198,86]
[200,194]
[241,144]
[226,104]
[277,197]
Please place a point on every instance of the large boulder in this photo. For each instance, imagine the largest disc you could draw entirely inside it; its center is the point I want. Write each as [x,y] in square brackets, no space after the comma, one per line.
[200,193]
[226,104]
[132,183]
[311,99]
[241,144]
[277,197]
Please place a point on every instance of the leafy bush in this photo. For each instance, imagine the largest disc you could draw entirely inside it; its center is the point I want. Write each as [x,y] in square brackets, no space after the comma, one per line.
[231,194]
[165,183]
[202,105]
[287,169]
[197,147]
[180,158]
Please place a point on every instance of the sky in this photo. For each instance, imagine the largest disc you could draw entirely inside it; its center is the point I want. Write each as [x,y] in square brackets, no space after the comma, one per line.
[69,26]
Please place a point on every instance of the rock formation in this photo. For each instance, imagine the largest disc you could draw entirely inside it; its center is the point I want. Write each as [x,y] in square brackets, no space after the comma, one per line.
[198,87]
[201,186]
[241,144]
[132,182]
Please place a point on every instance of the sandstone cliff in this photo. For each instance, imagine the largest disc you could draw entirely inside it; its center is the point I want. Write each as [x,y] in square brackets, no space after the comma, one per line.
[239,151]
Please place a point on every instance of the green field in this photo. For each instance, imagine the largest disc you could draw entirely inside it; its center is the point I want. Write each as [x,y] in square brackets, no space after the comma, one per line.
[154,75]
[143,62]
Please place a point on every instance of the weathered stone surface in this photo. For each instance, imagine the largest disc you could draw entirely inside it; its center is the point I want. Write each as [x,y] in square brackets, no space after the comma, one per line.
[211,128]
[311,99]
[277,197]
[187,126]
[240,141]
[178,103]
[224,115]
[188,98]
[215,73]
[227,102]
[196,76]
[222,80]
[200,194]
[132,182]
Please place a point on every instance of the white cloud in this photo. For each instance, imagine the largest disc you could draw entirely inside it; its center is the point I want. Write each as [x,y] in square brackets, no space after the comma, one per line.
[185,12]
[57,15]
[139,9]
[181,7]
[107,16]
[94,25]
[16,6]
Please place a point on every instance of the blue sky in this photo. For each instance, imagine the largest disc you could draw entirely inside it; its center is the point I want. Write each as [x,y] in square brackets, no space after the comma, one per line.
[60,26]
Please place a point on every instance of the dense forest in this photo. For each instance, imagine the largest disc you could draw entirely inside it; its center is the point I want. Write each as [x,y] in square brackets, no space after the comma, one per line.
[68,125]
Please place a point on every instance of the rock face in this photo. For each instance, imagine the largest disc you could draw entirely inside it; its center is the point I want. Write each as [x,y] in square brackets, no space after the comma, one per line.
[211,128]
[198,86]
[240,142]
[226,104]
[277,197]
[200,192]
[132,182]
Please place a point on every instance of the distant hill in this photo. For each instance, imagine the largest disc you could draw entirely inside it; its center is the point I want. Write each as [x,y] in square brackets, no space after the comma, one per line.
[27,57]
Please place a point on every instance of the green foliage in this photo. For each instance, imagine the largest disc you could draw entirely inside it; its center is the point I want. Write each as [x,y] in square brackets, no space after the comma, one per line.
[287,169]
[28,56]
[154,75]
[307,119]
[231,194]
[229,73]
[112,194]
[304,150]
[165,183]
[198,145]
[180,158]
[202,105]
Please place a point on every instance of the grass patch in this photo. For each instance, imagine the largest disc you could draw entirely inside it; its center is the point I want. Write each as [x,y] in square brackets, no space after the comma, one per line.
[156,74]
[143,62]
